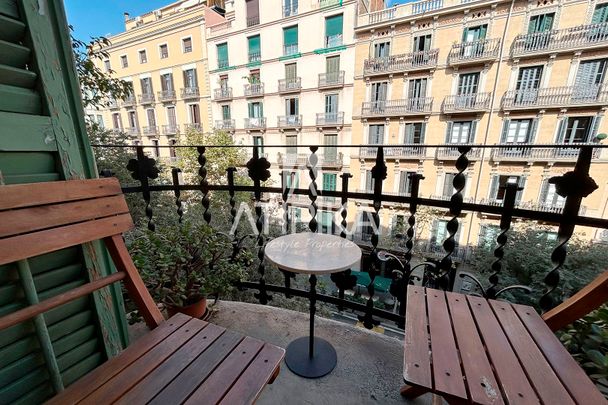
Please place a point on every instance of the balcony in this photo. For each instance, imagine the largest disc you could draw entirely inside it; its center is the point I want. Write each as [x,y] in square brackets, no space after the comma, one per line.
[190,92]
[573,39]
[289,50]
[150,130]
[193,127]
[289,121]
[227,124]
[452,153]
[146,98]
[406,62]
[524,153]
[466,103]
[290,10]
[291,85]
[300,160]
[254,57]
[331,79]
[408,151]
[254,90]
[132,131]
[222,94]
[166,95]
[330,119]
[396,108]
[480,51]
[112,104]
[171,129]
[252,21]
[556,97]
[258,123]
[129,101]
[329,3]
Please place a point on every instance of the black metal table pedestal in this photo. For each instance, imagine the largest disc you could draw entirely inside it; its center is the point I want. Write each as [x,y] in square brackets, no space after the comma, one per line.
[310,356]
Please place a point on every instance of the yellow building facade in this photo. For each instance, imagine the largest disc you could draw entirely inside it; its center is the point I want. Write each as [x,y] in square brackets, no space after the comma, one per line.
[164,55]
[480,72]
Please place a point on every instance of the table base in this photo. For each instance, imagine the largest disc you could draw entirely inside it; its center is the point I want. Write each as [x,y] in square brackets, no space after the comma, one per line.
[322,362]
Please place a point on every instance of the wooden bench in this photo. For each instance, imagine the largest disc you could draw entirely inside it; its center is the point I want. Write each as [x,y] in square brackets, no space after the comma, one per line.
[472,350]
[183,360]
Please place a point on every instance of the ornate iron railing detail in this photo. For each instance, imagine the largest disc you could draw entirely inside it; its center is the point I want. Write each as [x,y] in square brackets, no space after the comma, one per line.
[312,189]
[175,174]
[204,183]
[143,168]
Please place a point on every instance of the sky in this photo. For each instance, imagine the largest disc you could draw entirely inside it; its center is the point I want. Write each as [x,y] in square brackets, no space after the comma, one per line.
[105,17]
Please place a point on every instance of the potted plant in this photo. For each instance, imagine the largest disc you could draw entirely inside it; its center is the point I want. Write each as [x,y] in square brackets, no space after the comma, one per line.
[182,265]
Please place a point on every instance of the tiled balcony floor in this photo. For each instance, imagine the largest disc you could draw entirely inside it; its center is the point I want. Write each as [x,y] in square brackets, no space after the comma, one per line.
[370,365]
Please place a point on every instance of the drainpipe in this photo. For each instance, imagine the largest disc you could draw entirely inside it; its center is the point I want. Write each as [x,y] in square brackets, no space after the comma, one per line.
[491,115]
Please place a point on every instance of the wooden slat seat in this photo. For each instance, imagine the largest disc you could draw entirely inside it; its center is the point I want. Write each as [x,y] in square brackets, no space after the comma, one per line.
[183,360]
[472,350]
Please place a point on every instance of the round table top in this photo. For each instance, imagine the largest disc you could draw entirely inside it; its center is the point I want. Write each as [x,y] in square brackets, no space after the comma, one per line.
[312,253]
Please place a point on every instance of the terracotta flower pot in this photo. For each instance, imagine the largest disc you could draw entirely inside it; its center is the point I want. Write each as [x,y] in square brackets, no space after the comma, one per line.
[196,310]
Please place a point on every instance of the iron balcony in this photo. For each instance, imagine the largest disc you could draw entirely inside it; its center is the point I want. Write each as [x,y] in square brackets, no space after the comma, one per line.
[563,40]
[150,130]
[290,85]
[330,119]
[556,97]
[146,98]
[466,103]
[289,121]
[223,93]
[254,89]
[482,50]
[171,129]
[255,123]
[167,95]
[190,92]
[388,108]
[331,79]
[327,161]
[226,124]
[401,63]
[452,153]
[522,152]
[415,151]
[129,101]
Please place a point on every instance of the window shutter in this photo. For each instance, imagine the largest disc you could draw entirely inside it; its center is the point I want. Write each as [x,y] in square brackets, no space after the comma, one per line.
[465,34]
[595,124]
[434,232]
[222,54]
[254,44]
[532,131]
[422,132]
[544,189]
[448,132]
[473,131]
[600,14]
[561,130]
[333,25]
[409,134]
[290,35]
[521,183]
[505,130]
[494,187]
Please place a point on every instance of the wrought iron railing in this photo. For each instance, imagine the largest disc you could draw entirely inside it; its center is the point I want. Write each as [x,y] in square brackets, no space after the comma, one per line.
[290,49]
[146,98]
[171,129]
[129,101]
[166,95]
[193,127]
[255,56]
[290,85]
[437,269]
[451,153]
[289,121]
[254,89]
[150,130]
[409,106]
[255,123]
[330,119]
[254,20]
[190,92]
[401,63]
[556,97]
[223,93]
[525,152]
[394,152]
[331,79]
[466,102]
[132,131]
[228,124]
[482,49]
[580,37]
[325,160]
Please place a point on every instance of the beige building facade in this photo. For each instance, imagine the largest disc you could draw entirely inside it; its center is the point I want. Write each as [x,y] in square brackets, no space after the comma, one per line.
[480,72]
[164,55]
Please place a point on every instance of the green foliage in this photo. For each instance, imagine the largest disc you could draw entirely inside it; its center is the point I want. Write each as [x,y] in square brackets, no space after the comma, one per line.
[527,261]
[183,263]
[587,340]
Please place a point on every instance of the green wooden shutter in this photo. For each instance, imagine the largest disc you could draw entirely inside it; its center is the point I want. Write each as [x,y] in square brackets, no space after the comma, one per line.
[494,186]
[473,131]
[532,130]
[333,25]
[254,44]
[561,130]
[43,138]
[600,14]
[222,55]
[290,36]
[595,124]
[505,130]
[448,132]
[422,132]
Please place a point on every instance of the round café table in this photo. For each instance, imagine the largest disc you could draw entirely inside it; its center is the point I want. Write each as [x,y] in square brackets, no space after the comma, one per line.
[312,254]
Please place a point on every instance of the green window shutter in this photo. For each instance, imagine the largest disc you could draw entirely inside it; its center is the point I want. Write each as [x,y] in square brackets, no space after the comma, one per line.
[422,132]
[561,130]
[600,14]
[532,131]
[505,130]
[290,36]
[448,132]
[473,131]
[494,186]
[333,25]
[254,44]
[595,124]
[222,55]
[465,34]
[329,181]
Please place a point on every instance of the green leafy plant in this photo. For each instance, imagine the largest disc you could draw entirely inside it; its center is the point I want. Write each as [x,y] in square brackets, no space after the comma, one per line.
[587,341]
[184,263]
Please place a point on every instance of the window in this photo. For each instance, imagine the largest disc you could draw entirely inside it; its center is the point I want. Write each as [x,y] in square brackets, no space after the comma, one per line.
[291,142]
[518,131]
[376,134]
[166,82]
[187,45]
[549,196]
[195,113]
[366,226]
[541,23]
[467,84]
[172,144]
[422,43]
[291,107]
[171,117]
[378,95]
[143,58]
[290,7]
[226,112]
[124,62]
[473,38]
[414,133]
[405,183]
[326,221]
[577,129]
[100,121]
[146,86]
[528,82]
[487,236]
[190,80]
[107,65]
[290,40]
[150,113]
[164,51]
[291,180]
[369,182]
[589,79]
[155,149]
[333,31]
[330,150]
[256,110]
[332,69]
[448,185]
[440,233]
[461,132]
[497,187]
[331,106]
[222,56]
[382,49]
[116,121]
[417,88]
[132,117]
[253,12]
[255,54]
[259,142]
[329,184]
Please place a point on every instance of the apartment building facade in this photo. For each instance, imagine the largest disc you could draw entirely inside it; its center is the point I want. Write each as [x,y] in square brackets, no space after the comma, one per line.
[281,73]
[480,72]
[164,55]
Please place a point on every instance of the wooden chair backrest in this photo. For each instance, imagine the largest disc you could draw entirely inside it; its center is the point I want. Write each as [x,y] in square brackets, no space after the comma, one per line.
[44,217]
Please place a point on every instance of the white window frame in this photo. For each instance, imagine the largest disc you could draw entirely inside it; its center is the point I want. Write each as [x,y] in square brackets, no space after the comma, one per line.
[160,52]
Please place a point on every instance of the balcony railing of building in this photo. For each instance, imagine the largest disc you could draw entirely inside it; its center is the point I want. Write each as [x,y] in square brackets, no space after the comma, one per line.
[254,89]
[167,95]
[475,51]
[325,160]
[410,106]
[146,98]
[438,272]
[223,93]
[329,3]
[331,79]
[405,10]
[289,10]
[255,123]
[150,130]
[254,57]
[330,119]
[333,40]
[170,129]
[129,101]
[290,49]
[562,40]
[556,97]
[254,20]
[292,84]
[190,92]
[525,152]
[466,102]
[112,103]
[132,131]
[289,121]
[193,127]
[401,63]
[226,124]
[393,151]
[382,15]
[451,153]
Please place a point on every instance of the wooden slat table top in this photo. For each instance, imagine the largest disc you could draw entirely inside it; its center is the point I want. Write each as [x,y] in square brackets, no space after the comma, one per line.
[192,361]
[501,352]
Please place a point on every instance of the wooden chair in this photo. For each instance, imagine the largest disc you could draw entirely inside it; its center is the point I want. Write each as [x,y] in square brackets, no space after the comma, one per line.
[181,360]
[472,350]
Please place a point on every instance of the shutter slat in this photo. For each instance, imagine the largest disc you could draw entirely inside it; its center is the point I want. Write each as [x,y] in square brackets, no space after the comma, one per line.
[9,8]
[11,30]
[14,55]
[19,100]
[17,77]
